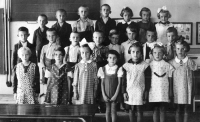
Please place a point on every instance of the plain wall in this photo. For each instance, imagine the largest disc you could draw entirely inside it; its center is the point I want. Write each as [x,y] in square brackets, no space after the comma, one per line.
[181,10]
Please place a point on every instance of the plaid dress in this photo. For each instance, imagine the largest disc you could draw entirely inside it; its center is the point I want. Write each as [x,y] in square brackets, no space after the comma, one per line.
[85,82]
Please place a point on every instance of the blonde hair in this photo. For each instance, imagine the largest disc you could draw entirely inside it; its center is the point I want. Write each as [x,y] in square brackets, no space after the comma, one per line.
[22,50]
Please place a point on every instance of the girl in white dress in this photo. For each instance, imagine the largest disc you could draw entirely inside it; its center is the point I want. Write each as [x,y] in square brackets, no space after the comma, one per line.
[183,85]
[161,83]
[133,88]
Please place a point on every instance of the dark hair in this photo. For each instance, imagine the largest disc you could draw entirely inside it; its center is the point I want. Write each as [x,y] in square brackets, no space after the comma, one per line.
[52,30]
[158,46]
[128,10]
[173,30]
[181,41]
[136,44]
[98,31]
[113,32]
[45,16]
[84,6]
[145,9]
[107,6]
[133,28]
[164,11]
[62,11]
[23,29]
[87,46]
[60,49]
[114,52]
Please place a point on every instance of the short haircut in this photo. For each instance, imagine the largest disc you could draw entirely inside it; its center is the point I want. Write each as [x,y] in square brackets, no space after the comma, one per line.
[181,41]
[164,11]
[60,49]
[24,29]
[45,16]
[52,30]
[172,30]
[87,46]
[113,32]
[128,10]
[106,5]
[133,28]
[62,11]
[160,47]
[145,9]
[114,52]
[100,32]
[136,44]
[84,6]
[22,50]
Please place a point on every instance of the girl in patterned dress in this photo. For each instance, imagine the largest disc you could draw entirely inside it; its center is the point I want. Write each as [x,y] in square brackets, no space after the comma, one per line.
[183,85]
[134,88]
[57,87]
[85,78]
[161,83]
[110,85]
[27,88]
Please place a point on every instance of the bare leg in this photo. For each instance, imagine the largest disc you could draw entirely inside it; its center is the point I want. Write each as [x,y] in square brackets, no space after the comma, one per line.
[162,113]
[139,113]
[185,113]
[114,111]
[156,114]
[178,114]
[131,114]
[108,112]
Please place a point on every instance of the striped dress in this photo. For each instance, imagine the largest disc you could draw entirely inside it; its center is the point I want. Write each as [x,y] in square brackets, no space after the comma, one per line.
[85,82]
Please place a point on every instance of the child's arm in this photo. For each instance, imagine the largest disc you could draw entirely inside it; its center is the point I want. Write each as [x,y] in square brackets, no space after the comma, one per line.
[147,83]
[74,27]
[75,82]
[171,94]
[96,82]
[37,80]
[14,56]
[42,58]
[34,39]
[96,26]
[124,84]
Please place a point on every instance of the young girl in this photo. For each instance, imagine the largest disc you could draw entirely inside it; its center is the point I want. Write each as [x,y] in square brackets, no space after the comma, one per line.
[127,14]
[134,89]
[27,87]
[110,85]
[161,83]
[172,36]
[85,78]
[57,89]
[145,24]
[182,79]
[162,26]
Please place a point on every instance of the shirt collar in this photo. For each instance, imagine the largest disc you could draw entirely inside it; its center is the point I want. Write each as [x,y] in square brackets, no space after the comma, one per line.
[131,61]
[184,60]
[82,20]
[71,46]
[52,44]
[111,68]
[151,45]
[131,42]
[124,22]
[24,44]
[164,23]
[89,61]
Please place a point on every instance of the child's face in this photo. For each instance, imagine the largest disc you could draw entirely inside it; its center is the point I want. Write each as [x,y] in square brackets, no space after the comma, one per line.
[145,16]
[51,36]
[25,56]
[171,37]
[42,21]
[105,11]
[83,12]
[180,50]
[112,59]
[114,39]
[85,53]
[60,16]
[150,36]
[23,35]
[158,54]
[126,16]
[58,56]
[74,38]
[131,35]
[98,38]
[163,17]
[135,54]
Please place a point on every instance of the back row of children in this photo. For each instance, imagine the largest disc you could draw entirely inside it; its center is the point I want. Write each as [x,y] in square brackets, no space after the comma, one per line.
[162,57]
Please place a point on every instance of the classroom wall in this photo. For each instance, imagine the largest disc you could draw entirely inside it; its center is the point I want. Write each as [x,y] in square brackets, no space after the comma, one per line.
[190,13]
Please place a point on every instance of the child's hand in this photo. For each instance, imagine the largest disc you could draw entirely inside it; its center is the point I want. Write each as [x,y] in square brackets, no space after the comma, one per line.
[76,96]
[113,99]
[125,96]
[106,99]
[44,69]
[15,96]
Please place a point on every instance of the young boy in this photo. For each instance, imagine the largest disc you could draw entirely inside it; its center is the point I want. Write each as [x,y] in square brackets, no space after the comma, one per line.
[84,25]
[105,23]
[62,28]
[170,46]
[39,36]
[23,34]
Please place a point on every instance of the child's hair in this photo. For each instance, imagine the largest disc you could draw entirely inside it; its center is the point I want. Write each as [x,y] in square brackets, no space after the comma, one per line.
[163,10]
[87,46]
[145,9]
[62,11]
[52,30]
[76,32]
[107,6]
[23,49]
[98,31]
[128,10]
[24,29]
[45,16]
[60,49]
[159,46]
[181,41]
[113,32]
[136,44]
[133,28]
[84,6]
[172,30]
[114,52]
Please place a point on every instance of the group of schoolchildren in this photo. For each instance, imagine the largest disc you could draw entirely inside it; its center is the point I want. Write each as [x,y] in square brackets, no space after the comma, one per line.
[132,63]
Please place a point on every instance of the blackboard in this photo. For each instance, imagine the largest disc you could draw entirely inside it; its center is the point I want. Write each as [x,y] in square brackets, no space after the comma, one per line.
[28,10]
